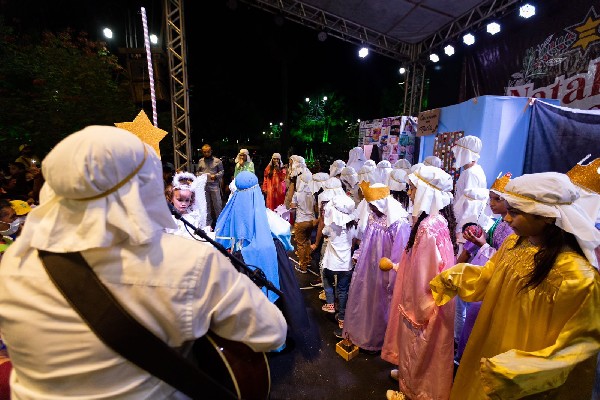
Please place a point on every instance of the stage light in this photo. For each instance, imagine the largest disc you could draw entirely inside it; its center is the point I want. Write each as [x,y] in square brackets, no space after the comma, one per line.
[469,39]
[402,70]
[527,10]
[493,28]
[107,33]
[434,58]
[363,52]
[322,36]
[449,50]
[153,39]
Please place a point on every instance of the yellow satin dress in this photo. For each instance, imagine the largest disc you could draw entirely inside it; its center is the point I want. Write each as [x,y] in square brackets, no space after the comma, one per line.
[536,344]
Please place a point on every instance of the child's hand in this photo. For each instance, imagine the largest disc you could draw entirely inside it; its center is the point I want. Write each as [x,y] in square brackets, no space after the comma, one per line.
[313,246]
[476,240]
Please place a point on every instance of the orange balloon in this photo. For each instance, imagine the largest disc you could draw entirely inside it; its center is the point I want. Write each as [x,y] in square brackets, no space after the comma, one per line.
[385,264]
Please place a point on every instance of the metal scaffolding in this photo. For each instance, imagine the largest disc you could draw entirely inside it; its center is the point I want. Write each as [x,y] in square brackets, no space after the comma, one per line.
[177,53]
[413,89]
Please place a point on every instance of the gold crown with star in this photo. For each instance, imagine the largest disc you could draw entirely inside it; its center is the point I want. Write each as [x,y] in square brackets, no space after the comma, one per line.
[374,193]
[501,182]
[586,176]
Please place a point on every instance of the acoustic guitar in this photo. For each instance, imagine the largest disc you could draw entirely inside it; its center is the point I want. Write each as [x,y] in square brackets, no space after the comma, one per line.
[238,368]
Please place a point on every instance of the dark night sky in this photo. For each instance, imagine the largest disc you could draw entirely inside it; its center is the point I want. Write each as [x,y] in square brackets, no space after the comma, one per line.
[244,70]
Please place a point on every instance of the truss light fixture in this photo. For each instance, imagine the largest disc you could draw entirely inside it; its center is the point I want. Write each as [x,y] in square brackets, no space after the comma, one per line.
[402,70]
[493,28]
[363,52]
[449,50]
[469,39]
[322,36]
[434,57]
[526,11]
[153,39]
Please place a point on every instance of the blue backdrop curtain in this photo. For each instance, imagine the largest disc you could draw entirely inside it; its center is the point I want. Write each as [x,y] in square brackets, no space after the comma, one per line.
[559,138]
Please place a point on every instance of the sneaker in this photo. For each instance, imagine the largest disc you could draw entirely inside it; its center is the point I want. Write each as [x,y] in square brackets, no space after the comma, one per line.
[302,271]
[317,283]
[323,297]
[328,308]
[394,374]
[338,333]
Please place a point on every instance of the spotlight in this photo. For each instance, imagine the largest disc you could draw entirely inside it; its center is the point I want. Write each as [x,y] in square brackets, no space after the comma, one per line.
[469,39]
[493,28]
[527,10]
[363,52]
[322,36]
[449,50]
[402,70]
[107,33]
[434,58]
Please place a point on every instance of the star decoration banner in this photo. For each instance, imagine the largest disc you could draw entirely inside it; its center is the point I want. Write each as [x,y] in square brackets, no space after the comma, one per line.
[142,127]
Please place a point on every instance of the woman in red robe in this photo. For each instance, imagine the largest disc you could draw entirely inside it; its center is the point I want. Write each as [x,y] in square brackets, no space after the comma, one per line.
[274,183]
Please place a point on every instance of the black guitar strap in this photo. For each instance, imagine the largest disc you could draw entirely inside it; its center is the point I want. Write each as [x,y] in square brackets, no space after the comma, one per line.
[118,330]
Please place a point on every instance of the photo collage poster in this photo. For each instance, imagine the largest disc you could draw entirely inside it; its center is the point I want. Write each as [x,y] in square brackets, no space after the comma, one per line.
[442,148]
[393,136]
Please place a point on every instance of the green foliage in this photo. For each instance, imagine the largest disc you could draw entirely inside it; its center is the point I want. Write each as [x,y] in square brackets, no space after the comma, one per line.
[322,127]
[56,84]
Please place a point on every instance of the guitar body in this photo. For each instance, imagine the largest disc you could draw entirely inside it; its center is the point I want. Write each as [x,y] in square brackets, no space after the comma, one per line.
[234,365]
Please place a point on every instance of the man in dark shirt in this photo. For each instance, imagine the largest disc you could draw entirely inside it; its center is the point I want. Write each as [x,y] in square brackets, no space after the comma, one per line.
[214,168]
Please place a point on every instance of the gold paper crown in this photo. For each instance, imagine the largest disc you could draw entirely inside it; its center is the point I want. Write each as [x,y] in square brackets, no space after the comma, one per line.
[586,176]
[372,194]
[500,183]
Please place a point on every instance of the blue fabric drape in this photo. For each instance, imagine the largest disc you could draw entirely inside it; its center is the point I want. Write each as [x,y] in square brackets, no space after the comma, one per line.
[244,218]
[559,138]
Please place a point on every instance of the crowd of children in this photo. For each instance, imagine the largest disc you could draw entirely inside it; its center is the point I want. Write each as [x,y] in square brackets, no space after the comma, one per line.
[469,292]
[492,292]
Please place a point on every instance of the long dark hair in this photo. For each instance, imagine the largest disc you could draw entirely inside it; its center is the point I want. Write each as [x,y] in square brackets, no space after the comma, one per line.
[401,196]
[555,240]
[446,212]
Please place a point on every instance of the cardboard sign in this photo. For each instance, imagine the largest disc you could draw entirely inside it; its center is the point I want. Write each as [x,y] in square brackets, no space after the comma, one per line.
[428,122]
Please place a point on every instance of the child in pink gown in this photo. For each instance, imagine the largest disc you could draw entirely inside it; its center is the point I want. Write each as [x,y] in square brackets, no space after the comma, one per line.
[420,335]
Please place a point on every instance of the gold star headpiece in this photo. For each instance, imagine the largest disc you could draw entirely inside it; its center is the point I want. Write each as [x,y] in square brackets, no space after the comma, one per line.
[586,176]
[374,193]
[143,128]
[500,182]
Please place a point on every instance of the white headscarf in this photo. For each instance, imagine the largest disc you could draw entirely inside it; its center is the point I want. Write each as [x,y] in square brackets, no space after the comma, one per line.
[402,163]
[367,174]
[465,150]
[339,211]
[356,158]
[103,186]
[370,163]
[243,151]
[415,167]
[473,207]
[303,180]
[297,165]
[331,187]
[277,155]
[317,181]
[397,180]
[382,172]
[349,177]
[433,161]
[551,194]
[336,167]
[433,190]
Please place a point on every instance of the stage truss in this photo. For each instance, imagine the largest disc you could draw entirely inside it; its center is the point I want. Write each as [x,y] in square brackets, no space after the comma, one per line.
[413,55]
